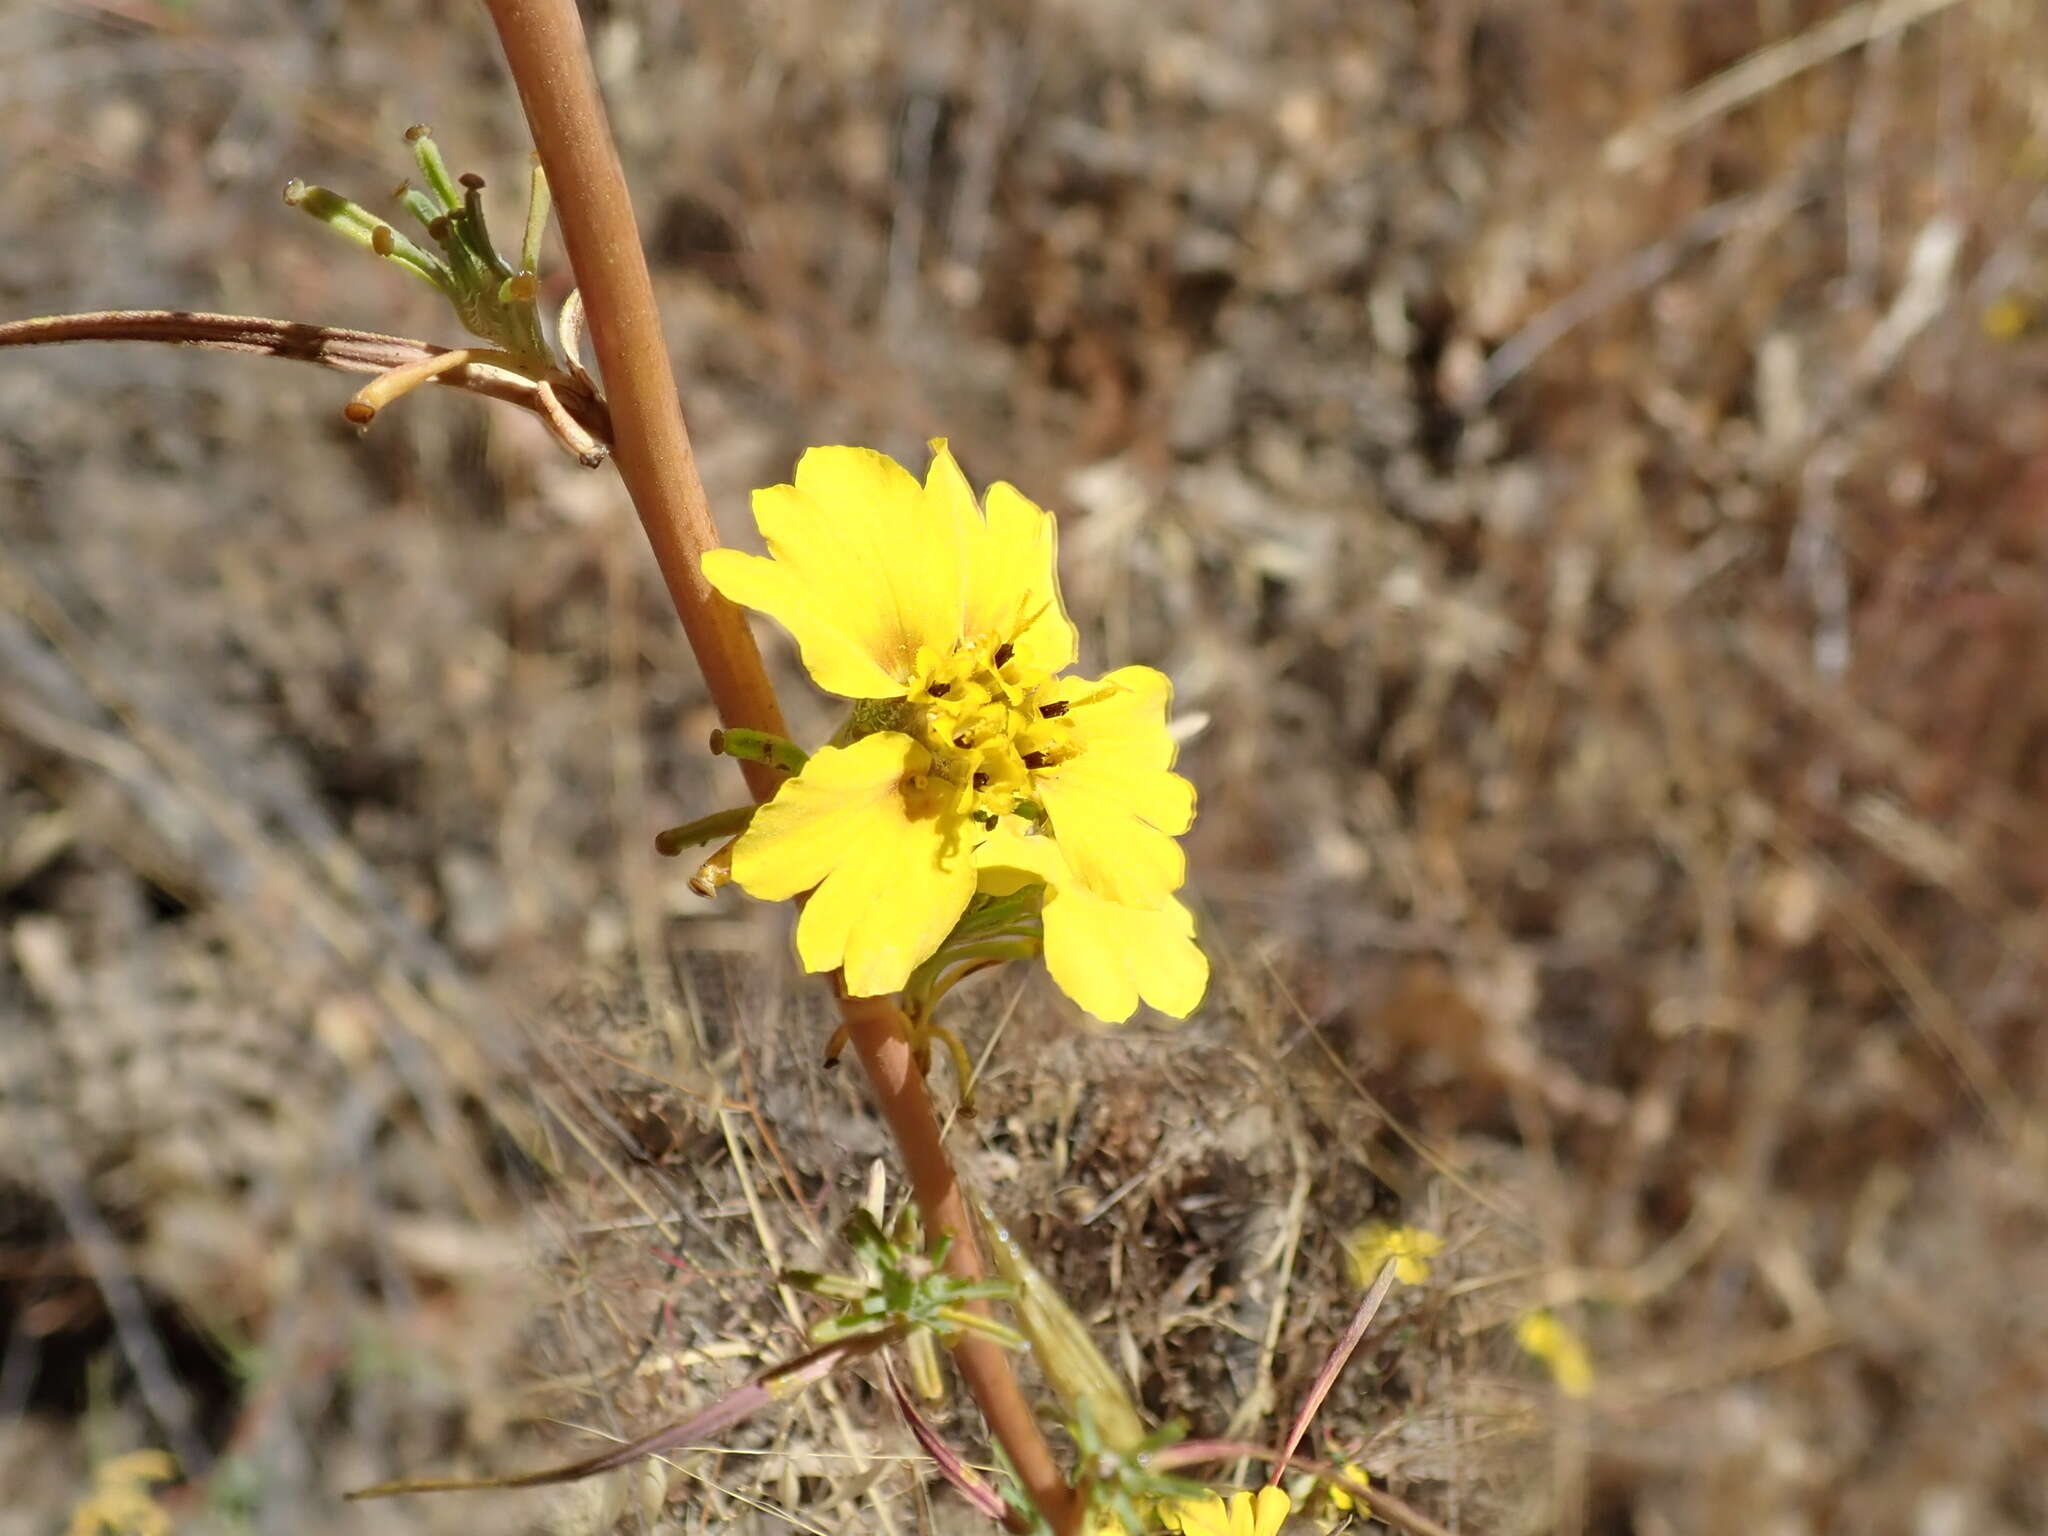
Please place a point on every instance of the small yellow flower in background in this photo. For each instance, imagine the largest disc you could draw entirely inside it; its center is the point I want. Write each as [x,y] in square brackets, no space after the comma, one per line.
[1247,1514]
[1331,1504]
[120,1503]
[941,619]
[1542,1336]
[2007,317]
[1411,1249]
[1347,1498]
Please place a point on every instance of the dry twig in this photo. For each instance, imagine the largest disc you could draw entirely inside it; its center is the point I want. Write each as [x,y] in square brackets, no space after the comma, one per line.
[562,404]
[1762,71]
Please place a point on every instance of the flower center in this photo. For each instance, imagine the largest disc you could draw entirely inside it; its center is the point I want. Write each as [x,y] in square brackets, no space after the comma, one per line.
[977,712]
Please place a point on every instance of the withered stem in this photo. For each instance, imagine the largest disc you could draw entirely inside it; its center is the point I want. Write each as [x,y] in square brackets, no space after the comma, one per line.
[330,346]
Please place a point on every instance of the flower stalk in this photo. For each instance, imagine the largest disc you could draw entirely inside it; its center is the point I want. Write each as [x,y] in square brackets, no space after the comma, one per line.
[549,59]
[879,1036]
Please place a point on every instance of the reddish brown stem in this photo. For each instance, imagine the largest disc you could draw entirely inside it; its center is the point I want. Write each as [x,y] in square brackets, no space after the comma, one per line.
[880,1039]
[330,346]
[550,63]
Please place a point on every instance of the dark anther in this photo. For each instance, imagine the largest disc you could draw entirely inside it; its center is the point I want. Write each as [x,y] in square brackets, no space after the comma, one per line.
[1037,759]
[440,228]
[381,240]
[1003,653]
[417,132]
[964,742]
[981,781]
[1054,710]
[471,180]
[939,690]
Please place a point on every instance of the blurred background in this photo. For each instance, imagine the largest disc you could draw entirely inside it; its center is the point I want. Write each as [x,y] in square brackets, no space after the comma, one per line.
[1585,467]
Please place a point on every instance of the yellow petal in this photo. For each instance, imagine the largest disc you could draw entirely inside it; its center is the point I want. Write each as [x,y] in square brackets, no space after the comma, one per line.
[865,570]
[1009,860]
[818,817]
[833,650]
[1106,957]
[885,914]
[1013,592]
[1114,850]
[1202,1516]
[1114,804]
[891,859]
[1121,716]
[1018,565]
[1269,1511]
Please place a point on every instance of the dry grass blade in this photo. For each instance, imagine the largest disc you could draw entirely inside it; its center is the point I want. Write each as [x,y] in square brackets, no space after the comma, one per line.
[955,1471]
[170,1405]
[1333,1367]
[1640,272]
[1764,70]
[736,1407]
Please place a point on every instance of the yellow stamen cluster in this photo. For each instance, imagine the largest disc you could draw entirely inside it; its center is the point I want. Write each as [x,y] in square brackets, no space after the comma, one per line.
[977,712]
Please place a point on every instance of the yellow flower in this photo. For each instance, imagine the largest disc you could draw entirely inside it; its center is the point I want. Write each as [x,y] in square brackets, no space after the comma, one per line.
[2007,318]
[1260,1514]
[1541,1335]
[1349,1494]
[943,621]
[120,1503]
[1411,1249]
